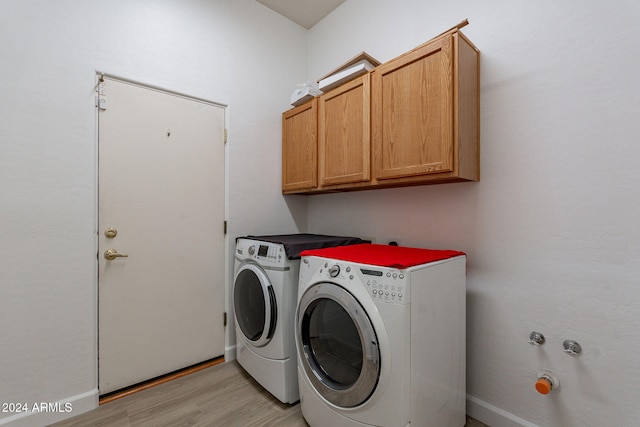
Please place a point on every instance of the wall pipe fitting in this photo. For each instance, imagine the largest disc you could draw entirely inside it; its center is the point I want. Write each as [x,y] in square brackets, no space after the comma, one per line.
[536,338]
[572,348]
[546,382]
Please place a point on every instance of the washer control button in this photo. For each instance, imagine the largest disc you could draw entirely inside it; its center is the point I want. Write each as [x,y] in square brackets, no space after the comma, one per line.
[334,270]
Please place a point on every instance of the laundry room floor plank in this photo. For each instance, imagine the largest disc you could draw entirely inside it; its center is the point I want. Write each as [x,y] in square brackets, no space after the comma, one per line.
[222,395]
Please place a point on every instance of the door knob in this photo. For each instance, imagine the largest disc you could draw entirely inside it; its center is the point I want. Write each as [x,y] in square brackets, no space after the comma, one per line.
[113,254]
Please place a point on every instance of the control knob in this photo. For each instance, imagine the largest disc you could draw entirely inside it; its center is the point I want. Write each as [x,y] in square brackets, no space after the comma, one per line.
[334,270]
[252,250]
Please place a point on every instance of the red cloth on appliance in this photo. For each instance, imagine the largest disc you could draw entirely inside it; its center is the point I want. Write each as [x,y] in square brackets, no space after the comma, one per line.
[382,255]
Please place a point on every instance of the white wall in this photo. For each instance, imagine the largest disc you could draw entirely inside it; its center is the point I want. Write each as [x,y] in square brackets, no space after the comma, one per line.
[214,49]
[551,230]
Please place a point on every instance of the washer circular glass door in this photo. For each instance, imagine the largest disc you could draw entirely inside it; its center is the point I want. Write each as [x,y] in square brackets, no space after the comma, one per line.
[337,344]
[254,302]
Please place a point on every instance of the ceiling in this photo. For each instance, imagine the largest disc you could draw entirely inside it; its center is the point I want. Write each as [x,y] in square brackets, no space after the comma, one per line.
[305,13]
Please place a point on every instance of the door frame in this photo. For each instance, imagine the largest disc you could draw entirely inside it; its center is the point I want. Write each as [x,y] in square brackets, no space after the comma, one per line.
[99,75]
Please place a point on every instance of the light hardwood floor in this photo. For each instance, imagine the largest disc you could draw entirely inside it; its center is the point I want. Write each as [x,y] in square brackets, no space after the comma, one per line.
[221,395]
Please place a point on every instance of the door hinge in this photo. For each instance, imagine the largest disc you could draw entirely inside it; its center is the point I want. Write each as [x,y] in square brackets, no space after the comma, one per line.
[225,227]
[225,136]
[224,316]
[101,101]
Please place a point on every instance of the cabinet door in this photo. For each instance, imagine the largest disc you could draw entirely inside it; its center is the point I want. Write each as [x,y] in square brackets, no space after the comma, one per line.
[344,133]
[300,147]
[412,113]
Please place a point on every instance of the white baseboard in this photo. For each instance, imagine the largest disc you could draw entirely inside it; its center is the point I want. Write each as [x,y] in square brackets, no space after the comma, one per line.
[230,353]
[45,413]
[493,416]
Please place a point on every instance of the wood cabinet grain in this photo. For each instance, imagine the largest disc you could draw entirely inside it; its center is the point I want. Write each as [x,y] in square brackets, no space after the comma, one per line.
[300,148]
[344,133]
[425,114]
[413,120]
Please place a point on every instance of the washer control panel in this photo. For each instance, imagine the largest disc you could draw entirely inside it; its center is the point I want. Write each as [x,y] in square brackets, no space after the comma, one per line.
[383,284]
[386,285]
[265,253]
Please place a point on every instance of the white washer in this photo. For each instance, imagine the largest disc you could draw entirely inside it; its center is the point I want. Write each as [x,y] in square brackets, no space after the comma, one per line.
[382,346]
[265,289]
[264,297]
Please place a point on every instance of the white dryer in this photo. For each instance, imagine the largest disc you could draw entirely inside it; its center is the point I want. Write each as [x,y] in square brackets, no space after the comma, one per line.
[265,290]
[380,337]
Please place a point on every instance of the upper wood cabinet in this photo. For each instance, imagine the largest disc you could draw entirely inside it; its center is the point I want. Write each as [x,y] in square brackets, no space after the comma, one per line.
[425,114]
[300,148]
[343,133]
[410,121]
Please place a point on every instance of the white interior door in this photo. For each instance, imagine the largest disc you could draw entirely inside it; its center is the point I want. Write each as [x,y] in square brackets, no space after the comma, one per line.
[161,189]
